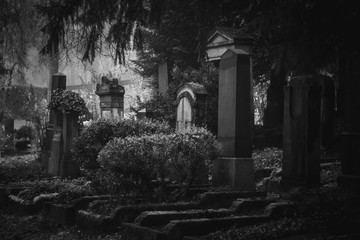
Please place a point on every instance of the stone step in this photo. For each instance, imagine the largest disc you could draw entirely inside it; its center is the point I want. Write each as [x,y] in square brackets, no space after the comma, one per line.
[245,206]
[195,223]
[224,199]
[158,218]
[177,229]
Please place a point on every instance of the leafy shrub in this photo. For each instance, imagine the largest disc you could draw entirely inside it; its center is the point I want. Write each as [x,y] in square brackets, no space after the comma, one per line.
[268,158]
[25,132]
[95,136]
[128,166]
[20,169]
[191,154]
[67,101]
[68,189]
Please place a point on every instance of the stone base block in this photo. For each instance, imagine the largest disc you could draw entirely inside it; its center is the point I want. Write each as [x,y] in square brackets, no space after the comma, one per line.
[235,172]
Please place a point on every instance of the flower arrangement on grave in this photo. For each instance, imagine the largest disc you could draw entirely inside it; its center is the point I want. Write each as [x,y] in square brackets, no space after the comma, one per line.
[67,101]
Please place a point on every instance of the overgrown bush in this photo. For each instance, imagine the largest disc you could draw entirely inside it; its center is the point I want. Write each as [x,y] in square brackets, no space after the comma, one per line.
[129,166]
[268,158]
[191,154]
[95,136]
[68,189]
[23,168]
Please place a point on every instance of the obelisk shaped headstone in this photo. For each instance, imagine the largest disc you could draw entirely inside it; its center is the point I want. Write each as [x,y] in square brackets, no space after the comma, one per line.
[235,121]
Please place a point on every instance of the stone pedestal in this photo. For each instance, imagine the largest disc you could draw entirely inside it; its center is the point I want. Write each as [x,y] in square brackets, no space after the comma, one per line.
[302,133]
[236,172]
[56,153]
[69,168]
[235,121]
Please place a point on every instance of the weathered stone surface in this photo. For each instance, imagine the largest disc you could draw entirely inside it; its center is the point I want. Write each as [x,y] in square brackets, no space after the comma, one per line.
[235,122]
[158,218]
[224,199]
[236,172]
[163,76]
[242,204]
[178,228]
[58,81]
[280,209]
[134,231]
[111,95]
[95,223]
[301,162]
[129,213]
[235,116]
[45,197]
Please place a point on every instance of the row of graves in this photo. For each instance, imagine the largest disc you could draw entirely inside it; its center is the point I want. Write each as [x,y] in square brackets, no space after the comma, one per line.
[305,98]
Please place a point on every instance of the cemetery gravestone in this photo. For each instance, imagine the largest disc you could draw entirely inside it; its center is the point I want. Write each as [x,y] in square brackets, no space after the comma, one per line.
[235,121]
[191,105]
[302,133]
[54,143]
[111,98]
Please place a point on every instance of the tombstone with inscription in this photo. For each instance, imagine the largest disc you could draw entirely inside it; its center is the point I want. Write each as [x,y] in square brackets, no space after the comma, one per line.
[235,119]
[191,105]
[111,95]
[302,133]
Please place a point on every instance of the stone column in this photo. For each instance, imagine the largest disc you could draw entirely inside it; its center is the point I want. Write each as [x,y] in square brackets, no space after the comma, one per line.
[53,144]
[111,98]
[163,75]
[235,121]
[302,133]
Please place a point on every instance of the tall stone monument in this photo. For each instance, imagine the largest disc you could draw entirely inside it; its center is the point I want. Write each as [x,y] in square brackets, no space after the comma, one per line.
[235,119]
[302,133]
[53,146]
[111,98]
[163,75]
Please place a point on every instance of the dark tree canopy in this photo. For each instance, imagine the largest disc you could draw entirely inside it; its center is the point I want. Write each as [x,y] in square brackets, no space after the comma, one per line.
[85,25]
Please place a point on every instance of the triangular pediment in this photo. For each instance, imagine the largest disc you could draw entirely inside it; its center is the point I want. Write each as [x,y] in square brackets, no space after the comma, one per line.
[218,37]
